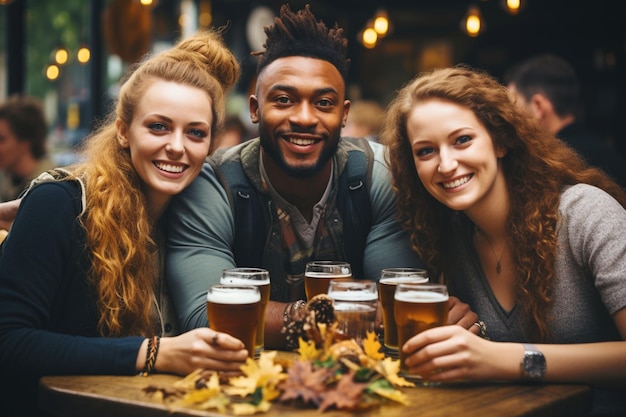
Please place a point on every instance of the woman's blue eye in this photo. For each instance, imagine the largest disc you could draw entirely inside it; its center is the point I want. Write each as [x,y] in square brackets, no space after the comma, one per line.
[198,133]
[424,152]
[463,139]
[158,126]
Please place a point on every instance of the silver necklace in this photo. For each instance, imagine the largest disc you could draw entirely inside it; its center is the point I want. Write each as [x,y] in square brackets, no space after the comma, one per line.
[498,258]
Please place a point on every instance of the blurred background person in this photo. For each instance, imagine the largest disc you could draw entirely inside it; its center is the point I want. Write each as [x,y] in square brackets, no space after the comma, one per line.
[23,154]
[547,86]
[234,133]
[364,121]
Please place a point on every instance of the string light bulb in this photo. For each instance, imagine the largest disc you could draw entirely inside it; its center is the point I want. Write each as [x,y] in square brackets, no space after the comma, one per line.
[381,23]
[61,55]
[472,22]
[513,7]
[83,55]
[369,37]
[52,72]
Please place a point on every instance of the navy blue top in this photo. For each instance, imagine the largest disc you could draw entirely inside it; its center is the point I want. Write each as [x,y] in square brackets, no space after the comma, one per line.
[48,314]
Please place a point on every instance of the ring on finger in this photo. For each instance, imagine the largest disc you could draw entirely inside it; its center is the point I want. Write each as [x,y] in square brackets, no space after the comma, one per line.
[482,328]
[215,341]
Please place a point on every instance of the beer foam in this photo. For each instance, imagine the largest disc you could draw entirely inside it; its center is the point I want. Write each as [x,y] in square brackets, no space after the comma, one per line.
[342,307]
[328,275]
[353,295]
[233,297]
[243,281]
[418,296]
[418,279]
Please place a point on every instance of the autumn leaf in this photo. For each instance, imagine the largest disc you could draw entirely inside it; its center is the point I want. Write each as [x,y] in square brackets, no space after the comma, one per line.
[307,350]
[372,347]
[346,394]
[305,383]
[389,369]
[189,381]
[263,373]
[383,388]
[247,409]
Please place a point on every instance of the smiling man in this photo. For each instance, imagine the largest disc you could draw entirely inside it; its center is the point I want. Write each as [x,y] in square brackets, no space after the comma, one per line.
[299,192]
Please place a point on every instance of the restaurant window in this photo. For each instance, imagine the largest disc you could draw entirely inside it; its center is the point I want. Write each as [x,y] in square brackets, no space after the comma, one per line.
[76,51]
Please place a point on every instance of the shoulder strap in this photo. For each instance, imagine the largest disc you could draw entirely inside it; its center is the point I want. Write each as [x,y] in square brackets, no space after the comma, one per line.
[57,174]
[250,227]
[353,200]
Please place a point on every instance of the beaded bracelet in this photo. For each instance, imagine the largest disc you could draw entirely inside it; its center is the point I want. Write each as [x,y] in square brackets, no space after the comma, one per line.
[291,308]
[151,355]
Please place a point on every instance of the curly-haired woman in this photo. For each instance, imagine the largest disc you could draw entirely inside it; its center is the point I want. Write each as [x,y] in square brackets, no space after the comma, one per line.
[519,227]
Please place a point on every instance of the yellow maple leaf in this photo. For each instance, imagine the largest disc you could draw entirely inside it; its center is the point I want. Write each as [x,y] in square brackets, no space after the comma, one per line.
[189,381]
[201,395]
[393,394]
[247,409]
[389,368]
[218,402]
[371,346]
[307,350]
[263,373]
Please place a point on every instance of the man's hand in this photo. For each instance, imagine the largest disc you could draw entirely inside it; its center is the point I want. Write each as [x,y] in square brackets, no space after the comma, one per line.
[8,211]
[462,314]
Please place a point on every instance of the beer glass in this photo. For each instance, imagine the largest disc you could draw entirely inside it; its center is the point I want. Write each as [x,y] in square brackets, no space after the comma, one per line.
[418,307]
[355,304]
[389,279]
[260,278]
[318,274]
[235,309]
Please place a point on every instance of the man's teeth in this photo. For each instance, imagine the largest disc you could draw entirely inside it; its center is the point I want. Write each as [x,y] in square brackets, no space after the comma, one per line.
[302,142]
[170,168]
[457,183]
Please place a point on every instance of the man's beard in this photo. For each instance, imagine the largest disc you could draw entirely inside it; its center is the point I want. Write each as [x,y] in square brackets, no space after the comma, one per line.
[273,151]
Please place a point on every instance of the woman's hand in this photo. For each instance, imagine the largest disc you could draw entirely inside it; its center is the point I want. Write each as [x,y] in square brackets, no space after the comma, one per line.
[201,348]
[452,353]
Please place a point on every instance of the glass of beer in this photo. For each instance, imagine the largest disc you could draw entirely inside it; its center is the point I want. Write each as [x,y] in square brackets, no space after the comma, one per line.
[389,279]
[235,309]
[355,304]
[318,274]
[418,307]
[260,278]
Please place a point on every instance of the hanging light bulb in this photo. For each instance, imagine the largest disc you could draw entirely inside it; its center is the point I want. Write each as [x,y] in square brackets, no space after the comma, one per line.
[369,37]
[61,55]
[84,54]
[52,72]
[381,23]
[472,22]
[513,7]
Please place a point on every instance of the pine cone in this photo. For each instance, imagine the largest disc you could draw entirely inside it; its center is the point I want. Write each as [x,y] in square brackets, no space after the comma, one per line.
[323,307]
[304,321]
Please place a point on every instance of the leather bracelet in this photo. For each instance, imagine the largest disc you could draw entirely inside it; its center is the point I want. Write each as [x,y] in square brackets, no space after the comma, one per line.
[151,354]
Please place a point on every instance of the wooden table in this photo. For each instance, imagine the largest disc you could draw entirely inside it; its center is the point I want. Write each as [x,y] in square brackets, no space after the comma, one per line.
[119,396]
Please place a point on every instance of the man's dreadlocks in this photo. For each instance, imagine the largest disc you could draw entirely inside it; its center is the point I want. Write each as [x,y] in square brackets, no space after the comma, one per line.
[300,34]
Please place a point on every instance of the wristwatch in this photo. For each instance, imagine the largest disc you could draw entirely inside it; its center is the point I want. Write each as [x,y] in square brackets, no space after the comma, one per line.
[533,363]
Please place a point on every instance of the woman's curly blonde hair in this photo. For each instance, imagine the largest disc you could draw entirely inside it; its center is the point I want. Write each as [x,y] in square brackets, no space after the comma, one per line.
[121,237]
[536,168]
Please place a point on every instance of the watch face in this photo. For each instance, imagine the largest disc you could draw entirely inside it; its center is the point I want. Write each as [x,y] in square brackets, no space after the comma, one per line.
[534,365]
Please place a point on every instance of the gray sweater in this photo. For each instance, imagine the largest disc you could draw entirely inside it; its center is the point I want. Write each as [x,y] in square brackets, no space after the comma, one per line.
[590,274]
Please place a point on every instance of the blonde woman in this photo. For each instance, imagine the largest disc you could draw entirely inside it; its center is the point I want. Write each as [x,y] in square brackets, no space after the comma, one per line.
[81,289]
